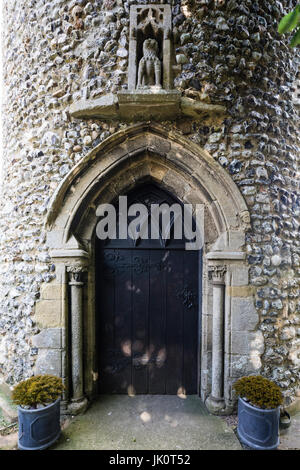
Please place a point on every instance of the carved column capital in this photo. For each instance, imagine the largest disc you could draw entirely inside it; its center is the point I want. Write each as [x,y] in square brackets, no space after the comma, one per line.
[217,274]
[76,274]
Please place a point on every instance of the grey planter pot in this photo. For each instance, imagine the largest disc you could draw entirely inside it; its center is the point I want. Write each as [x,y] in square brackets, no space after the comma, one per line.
[39,429]
[258,428]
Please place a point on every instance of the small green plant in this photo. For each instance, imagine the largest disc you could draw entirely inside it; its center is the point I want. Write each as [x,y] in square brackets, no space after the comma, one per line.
[291,22]
[259,391]
[39,389]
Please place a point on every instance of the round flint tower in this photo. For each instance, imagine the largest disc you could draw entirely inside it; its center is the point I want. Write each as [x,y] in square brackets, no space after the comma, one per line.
[206,111]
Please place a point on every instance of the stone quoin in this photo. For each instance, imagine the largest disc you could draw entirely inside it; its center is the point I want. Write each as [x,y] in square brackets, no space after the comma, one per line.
[199,99]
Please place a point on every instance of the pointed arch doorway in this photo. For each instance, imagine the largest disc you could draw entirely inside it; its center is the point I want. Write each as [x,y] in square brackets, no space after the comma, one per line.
[148,306]
[142,154]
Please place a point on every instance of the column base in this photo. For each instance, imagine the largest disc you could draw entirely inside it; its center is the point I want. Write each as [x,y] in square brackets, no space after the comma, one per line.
[63,407]
[217,406]
[77,407]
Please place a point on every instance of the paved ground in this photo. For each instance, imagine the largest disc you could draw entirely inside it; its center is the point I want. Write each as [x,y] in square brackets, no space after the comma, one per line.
[152,422]
[9,442]
[290,438]
[147,422]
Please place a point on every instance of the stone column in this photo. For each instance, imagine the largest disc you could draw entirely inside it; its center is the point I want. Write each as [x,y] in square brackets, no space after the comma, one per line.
[167,63]
[132,60]
[215,402]
[76,284]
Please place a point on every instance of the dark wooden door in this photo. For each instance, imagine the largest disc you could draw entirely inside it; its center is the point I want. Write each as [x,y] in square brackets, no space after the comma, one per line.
[147,311]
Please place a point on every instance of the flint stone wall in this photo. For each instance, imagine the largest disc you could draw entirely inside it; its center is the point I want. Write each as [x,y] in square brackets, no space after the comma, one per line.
[228,53]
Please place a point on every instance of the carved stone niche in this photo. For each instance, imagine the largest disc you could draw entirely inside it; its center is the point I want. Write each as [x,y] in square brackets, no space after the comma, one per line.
[150,31]
[150,94]
[150,80]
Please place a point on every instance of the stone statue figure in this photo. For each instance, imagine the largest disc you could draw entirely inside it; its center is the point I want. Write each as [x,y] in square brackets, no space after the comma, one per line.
[149,71]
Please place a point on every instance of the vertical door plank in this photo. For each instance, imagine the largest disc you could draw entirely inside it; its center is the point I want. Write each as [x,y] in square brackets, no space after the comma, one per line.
[190,314]
[174,324]
[157,321]
[140,313]
[122,323]
[106,306]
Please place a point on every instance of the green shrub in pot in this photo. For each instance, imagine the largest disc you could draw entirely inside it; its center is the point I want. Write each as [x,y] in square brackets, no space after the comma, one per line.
[258,412]
[39,411]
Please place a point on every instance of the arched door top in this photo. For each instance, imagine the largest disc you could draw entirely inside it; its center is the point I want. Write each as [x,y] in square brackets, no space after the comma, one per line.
[171,233]
[143,152]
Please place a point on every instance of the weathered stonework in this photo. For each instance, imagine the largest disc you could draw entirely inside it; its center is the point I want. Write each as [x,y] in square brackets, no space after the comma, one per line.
[227,54]
[145,105]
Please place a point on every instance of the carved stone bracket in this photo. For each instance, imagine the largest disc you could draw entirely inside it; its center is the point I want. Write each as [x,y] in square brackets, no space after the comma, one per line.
[144,105]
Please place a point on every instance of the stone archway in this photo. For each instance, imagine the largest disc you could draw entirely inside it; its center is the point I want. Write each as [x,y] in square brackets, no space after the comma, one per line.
[147,152]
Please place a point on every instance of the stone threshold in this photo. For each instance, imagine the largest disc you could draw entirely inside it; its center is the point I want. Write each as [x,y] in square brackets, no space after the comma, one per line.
[151,104]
